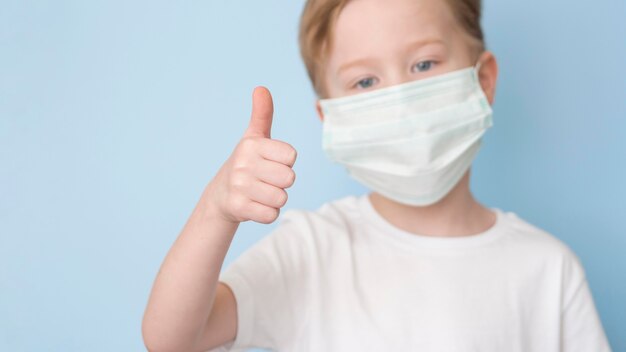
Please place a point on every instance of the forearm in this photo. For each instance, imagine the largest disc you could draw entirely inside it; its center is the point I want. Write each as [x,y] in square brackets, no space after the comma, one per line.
[250,185]
[184,289]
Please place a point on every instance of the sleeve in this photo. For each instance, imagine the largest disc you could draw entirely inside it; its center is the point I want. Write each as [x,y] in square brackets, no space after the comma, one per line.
[269,282]
[582,329]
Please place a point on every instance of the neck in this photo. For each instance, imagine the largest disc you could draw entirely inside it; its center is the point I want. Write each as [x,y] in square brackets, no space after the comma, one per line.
[456,214]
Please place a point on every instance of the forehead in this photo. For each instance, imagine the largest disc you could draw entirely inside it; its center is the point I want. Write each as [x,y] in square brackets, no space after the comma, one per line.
[366,28]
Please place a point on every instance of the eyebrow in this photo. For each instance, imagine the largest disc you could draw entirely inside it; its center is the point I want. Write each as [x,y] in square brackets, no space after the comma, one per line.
[358,62]
[423,42]
[412,46]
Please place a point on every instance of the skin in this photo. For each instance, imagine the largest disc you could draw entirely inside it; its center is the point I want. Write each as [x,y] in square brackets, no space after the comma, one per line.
[188,308]
[379,44]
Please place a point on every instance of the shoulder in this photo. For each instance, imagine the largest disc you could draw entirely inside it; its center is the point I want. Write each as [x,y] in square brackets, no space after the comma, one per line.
[337,213]
[540,245]
[331,221]
[524,232]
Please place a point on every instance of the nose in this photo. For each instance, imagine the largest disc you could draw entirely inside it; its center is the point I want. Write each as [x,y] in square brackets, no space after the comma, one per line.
[397,74]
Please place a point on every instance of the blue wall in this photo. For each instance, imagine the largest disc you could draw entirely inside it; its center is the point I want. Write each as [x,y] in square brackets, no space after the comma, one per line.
[115,114]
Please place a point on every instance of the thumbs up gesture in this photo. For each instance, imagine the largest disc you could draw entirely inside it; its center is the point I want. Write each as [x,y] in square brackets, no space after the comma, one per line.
[251,184]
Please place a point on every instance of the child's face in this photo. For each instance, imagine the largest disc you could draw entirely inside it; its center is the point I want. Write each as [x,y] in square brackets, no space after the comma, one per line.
[383,43]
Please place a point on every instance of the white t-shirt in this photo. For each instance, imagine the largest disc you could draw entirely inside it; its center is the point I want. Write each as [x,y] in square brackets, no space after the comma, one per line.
[342,278]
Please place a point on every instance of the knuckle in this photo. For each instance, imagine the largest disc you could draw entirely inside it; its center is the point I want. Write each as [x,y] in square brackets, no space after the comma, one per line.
[263,220]
[290,178]
[291,154]
[247,143]
[286,151]
[238,181]
[267,215]
[237,205]
[271,215]
[240,164]
[281,198]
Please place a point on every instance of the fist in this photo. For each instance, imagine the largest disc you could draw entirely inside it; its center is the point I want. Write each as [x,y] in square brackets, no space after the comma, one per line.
[251,184]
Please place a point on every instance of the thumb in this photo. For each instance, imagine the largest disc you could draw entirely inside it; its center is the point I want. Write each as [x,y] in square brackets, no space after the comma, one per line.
[262,112]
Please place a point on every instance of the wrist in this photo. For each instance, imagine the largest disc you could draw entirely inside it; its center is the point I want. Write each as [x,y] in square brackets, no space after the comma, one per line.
[209,208]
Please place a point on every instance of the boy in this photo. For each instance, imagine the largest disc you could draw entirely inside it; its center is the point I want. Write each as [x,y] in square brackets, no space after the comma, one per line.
[405,89]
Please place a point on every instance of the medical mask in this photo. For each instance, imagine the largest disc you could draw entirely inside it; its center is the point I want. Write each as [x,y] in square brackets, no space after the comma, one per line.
[411,142]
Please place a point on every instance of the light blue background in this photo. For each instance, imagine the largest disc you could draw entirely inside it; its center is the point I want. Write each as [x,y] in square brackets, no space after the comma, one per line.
[115,114]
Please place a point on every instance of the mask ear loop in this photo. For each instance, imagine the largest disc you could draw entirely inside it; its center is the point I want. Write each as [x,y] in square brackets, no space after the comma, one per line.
[477,80]
[478,65]
[476,70]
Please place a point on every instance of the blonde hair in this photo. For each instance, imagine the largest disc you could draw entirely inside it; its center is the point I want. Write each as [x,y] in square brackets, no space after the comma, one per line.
[319,16]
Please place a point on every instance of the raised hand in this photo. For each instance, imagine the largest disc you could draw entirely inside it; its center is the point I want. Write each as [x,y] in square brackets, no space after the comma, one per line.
[251,184]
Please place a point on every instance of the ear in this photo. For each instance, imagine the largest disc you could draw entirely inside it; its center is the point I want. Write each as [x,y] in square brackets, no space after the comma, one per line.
[318,108]
[488,75]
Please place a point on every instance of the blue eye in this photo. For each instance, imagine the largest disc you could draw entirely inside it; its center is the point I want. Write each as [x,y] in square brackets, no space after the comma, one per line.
[366,82]
[423,66]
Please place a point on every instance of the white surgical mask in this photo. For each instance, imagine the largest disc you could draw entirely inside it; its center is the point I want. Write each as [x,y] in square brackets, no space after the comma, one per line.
[411,142]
